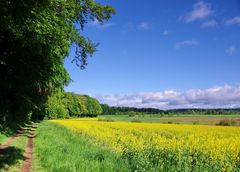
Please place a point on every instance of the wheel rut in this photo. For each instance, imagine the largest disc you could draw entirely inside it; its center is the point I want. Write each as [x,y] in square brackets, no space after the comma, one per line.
[27,164]
[29,131]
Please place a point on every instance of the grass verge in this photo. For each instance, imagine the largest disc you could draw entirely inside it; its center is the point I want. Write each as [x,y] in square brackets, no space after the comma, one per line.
[196,119]
[59,149]
[2,138]
[12,157]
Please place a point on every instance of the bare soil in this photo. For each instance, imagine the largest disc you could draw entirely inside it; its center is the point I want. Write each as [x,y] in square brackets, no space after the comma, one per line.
[203,120]
[8,142]
[28,156]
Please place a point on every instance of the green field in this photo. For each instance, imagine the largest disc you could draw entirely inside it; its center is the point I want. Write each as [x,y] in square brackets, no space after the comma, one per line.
[57,149]
[92,145]
[207,119]
[2,138]
[13,156]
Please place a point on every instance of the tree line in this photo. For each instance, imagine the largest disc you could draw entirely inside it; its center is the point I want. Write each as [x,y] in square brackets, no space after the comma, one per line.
[35,38]
[67,104]
[62,105]
[114,110]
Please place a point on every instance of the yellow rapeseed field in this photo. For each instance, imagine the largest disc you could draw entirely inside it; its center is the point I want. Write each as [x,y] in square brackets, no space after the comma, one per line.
[192,144]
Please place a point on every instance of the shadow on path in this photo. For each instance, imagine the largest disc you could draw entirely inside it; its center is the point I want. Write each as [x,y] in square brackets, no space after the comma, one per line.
[10,156]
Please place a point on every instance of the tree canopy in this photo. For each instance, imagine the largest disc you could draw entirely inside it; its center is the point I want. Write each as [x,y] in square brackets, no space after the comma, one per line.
[116,110]
[35,37]
[66,105]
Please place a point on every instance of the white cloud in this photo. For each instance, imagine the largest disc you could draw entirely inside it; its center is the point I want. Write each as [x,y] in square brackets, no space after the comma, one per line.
[129,27]
[233,21]
[209,24]
[96,23]
[144,26]
[200,10]
[215,97]
[185,43]
[231,50]
[165,32]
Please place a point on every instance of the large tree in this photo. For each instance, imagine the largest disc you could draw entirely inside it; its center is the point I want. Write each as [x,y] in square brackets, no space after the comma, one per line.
[93,107]
[35,37]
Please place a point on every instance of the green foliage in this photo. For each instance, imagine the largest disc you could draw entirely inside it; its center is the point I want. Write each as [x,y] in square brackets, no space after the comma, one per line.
[106,119]
[2,138]
[93,107]
[59,149]
[136,121]
[35,37]
[228,122]
[65,105]
[131,114]
[115,110]
[82,105]
[72,104]
[12,157]
[55,107]
[169,160]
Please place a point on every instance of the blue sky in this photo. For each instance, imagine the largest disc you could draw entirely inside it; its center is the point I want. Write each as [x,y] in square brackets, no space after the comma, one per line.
[161,49]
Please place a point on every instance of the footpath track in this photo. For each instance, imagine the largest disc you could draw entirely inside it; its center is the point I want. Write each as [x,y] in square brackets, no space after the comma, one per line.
[26,167]
[29,131]
[8,142]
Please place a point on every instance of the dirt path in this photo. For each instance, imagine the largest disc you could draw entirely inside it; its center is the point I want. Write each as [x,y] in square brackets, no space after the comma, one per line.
[29,156]
[9,155]
[9,142]
[11,139]
[27,164]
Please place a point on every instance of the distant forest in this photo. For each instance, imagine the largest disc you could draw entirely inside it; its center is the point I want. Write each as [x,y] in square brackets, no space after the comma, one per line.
[114,110]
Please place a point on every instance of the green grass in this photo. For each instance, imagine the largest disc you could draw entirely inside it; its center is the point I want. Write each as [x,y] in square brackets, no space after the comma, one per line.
[13,157]
[57,149]
[147,116]
[2,138]
[170,118]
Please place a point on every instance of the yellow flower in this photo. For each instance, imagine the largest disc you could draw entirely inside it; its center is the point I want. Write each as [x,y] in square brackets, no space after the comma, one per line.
[216,142]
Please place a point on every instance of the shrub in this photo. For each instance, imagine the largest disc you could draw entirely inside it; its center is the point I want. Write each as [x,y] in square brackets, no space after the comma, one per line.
[106,119]
[131,114]
[195,123]
[136,120]
[227,122]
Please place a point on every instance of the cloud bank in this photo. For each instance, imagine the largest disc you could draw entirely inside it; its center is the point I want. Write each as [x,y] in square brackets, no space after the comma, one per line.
[144,26]
[209,24]
[97,24]
[231,50]
[185,43]
[233,21]
[200,10]
[216,97]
